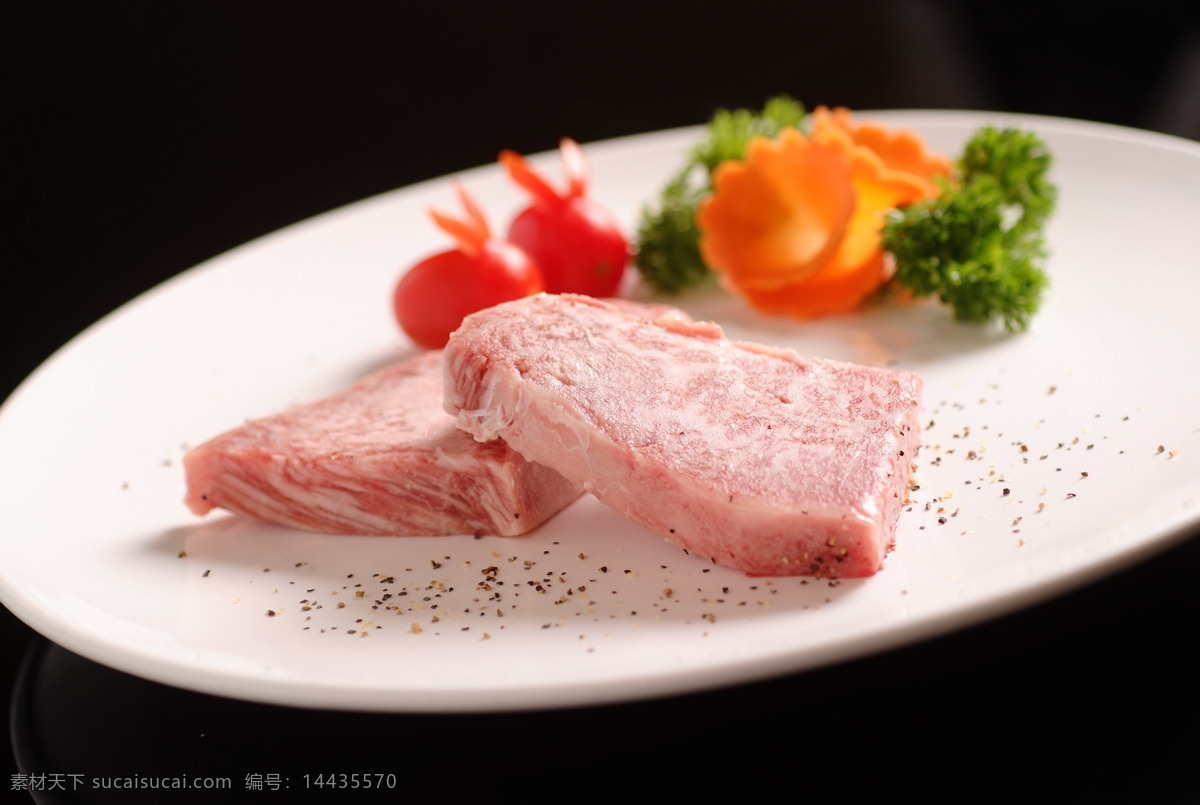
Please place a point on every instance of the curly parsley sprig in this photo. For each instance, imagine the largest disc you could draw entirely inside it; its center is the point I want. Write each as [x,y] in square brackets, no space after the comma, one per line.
[978,247]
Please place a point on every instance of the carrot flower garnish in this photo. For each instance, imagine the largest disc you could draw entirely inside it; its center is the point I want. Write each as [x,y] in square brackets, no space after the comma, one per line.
[795,226]
[778,216]
[900,150]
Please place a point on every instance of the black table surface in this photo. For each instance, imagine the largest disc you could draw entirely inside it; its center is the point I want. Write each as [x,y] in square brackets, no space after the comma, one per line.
[146,138]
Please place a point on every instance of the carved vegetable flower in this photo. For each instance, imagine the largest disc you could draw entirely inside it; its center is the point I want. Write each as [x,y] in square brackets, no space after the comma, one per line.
[795,226]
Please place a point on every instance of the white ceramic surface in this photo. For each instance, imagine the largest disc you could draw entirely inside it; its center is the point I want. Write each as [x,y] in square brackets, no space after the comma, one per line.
[1049,458]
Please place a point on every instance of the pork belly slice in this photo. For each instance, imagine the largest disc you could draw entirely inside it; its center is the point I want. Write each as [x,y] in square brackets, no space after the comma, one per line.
[381,457]
[749,456]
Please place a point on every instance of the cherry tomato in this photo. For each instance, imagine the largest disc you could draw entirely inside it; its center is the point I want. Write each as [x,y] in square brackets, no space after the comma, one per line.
[433,297]
[576,242]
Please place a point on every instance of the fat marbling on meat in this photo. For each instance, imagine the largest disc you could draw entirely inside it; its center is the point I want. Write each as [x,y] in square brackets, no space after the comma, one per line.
[746,455]
[380,458]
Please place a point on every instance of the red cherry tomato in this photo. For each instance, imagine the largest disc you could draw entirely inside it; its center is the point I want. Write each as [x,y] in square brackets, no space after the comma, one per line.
[433,297]
[576,242]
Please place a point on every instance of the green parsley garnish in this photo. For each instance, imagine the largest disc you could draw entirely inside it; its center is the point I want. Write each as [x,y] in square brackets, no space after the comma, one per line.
[978,247]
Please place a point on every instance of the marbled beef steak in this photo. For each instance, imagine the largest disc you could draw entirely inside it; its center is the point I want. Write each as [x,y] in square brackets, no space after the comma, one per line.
[746,455]
[381,457]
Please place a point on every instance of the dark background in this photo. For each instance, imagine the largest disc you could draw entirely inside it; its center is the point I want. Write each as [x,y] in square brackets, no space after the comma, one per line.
[141,139]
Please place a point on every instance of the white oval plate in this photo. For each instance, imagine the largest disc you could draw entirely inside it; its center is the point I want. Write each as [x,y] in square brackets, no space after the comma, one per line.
[1049,459]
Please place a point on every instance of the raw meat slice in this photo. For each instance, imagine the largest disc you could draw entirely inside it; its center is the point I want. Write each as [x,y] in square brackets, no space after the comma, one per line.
[381,457]
[747,455]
